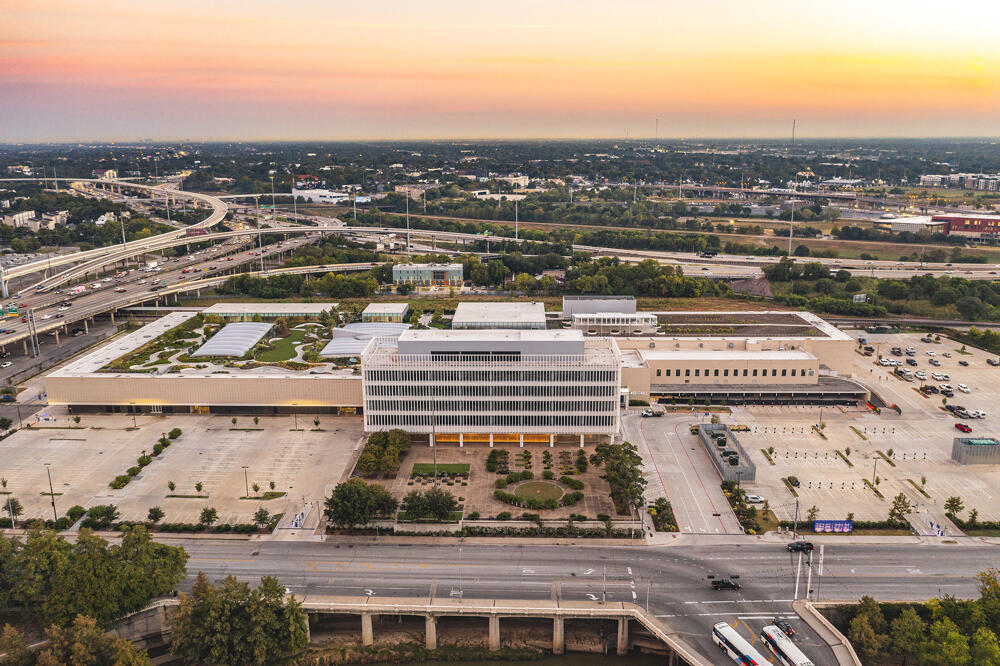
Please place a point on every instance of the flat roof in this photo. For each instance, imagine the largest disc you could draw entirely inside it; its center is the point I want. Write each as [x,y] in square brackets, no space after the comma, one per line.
[504,312]
[439,266]
[267,308]
[386,308]
[724,354]
[234,339]
[103,355]
[493,335]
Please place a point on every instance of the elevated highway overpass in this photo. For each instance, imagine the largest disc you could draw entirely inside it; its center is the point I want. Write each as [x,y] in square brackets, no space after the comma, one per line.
[219,210]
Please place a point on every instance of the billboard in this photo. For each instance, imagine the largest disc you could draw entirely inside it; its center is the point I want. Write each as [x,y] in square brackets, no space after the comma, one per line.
[835,526]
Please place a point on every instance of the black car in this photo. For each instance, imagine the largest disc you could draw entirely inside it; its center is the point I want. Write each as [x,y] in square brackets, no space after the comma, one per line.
[911,361]
[926,340]
[784,626]
[869,348]
[930,389]
[800,547]
[965,363]
[993,362]
[725,584]
[948,393]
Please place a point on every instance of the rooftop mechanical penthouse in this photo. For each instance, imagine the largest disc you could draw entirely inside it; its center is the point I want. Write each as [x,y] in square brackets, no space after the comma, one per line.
[496,385]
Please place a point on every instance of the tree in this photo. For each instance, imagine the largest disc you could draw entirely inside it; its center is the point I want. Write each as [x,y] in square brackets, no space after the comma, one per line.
[261,517]
[985,648]
[954,505]
[256,487]
[415,505]
[355,503]
[973,517]
[946,645]
[865,639]
[623,472]
[84,642]
[5,423]
[813,513]
[13,508]
[15,648]
[271,484]
[233,624]
[171,485]
[440,503]
[900,509]
[155,514]
[234,421]
[208,516]
[906,633]
[256,420]
[198,486]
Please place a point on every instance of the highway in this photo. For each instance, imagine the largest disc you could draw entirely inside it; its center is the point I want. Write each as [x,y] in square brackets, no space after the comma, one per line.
[673,577]
[219,210]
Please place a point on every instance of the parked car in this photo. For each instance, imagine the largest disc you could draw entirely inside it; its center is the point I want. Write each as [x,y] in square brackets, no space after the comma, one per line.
[946,354]
[963,388]
[911,361]
[934,361]
[920,374]
[926,340]
[993,362]
[963,427]
[784,626]
[725,584]
[800,547]
[6,364]
[869,348]
[964,363]
[868,353]
[931,352]
[754,499]
[650,412]
[948,393]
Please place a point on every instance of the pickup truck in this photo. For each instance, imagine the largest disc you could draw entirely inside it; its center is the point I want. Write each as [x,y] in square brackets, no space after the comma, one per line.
[650,412]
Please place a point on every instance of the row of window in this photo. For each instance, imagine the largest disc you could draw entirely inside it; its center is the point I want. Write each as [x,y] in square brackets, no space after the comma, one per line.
[490,406]
[480,375]
[661,372]
[473,422]
[450,390]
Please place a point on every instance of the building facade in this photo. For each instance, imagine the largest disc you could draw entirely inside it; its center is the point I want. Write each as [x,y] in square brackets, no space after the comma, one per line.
[616,323]
[491,315]
[428,275]
[594,304]
[385,313]
[487,386]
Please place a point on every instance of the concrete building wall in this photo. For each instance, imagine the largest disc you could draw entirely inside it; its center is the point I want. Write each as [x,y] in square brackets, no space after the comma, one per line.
[733,371]
[211,391]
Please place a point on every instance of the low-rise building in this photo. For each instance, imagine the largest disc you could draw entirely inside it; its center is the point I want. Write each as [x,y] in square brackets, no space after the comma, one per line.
[263,310]
[572,305]
[427,275]
[616,323]
[318,195]
[492,315]
[385,313]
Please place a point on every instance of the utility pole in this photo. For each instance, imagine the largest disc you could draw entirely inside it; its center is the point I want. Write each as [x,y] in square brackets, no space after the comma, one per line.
[795,522]
[408,232]
[52,494]
[246,483]
[515,220]
[874,469]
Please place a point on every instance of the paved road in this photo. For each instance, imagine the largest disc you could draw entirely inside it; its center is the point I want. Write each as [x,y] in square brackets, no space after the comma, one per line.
[674,577]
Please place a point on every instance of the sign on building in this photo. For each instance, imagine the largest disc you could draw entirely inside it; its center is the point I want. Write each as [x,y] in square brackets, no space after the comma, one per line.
[835,526]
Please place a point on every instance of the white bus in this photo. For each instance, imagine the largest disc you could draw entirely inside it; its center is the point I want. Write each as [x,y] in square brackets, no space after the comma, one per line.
[736,646]
[783,648]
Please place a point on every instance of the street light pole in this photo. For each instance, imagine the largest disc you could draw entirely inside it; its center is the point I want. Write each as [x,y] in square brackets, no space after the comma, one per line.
[52,494]
[246,484]
[874,469]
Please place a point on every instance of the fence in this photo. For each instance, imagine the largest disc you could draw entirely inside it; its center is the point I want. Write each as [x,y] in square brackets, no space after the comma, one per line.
[745,470]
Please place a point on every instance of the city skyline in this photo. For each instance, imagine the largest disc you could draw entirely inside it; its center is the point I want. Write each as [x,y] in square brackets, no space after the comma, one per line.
[242,71]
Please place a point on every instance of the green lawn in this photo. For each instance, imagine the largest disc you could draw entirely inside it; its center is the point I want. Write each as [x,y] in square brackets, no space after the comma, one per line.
[284,349]
[539,490]
[449,468]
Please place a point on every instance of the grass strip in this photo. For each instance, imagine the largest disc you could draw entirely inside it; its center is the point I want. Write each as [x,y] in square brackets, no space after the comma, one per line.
[790,487]
[768,456]
[874,489]
[885,457]
[919,488]
[844,457]
[858,433]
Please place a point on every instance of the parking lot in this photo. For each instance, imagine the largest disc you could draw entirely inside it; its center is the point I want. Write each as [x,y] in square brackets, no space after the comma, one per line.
[85,457]
[917,442]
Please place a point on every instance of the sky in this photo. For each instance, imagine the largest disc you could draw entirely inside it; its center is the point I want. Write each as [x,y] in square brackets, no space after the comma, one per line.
[321,70]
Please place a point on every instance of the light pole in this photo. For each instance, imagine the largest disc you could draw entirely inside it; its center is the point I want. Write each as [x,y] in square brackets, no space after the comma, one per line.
[874,469]
[246,483]
[295,415]
[52,493]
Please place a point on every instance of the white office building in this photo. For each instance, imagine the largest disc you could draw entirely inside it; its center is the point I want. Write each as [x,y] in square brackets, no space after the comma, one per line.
[491,315]
[489,386]
[616,323]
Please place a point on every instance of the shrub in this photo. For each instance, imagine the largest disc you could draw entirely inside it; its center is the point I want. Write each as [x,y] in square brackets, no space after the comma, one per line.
[62,524]
[505,515]
[506,498]
[120,481]
[500,483]
[133,471]
[175,433]
[75,513]
[581,461]
[144,460]
[157,449]
[570,499]
[473,516]
[575,484]
[550,503]
[548,474]
[165,441]
[603,517]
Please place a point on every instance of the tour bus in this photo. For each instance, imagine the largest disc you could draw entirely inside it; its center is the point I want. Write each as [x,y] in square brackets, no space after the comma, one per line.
[782,647]
[736,646]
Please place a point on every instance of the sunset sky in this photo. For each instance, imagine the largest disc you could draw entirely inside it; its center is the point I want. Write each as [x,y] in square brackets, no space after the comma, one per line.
[244,69]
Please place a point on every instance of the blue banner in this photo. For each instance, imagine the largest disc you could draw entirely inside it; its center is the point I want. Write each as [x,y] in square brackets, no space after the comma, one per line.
[836,526]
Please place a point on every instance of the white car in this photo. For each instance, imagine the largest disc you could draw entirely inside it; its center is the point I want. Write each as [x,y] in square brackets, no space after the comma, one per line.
[963,388]
[754,499]
[937,376]
[920,374]
[6,364]
[141,282]
[945,376]
[885,362]
[931,352]
[980,414]
[945,387]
